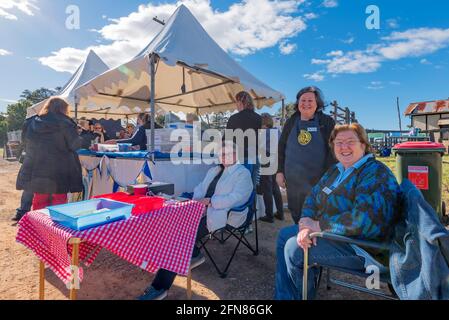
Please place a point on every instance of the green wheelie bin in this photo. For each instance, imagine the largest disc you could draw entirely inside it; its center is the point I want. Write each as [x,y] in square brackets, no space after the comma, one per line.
[422,163]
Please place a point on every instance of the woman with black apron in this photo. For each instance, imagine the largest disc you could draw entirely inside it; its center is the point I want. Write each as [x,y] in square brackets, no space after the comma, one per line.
[304,152]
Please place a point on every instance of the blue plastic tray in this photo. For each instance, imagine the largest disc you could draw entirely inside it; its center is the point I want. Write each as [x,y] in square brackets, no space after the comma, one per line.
[91,213]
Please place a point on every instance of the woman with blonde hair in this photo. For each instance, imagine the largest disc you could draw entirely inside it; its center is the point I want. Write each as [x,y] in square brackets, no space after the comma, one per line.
[51,167]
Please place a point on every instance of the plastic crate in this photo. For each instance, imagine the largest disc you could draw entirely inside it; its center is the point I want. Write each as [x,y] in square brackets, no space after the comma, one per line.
[89,214]
[142,204]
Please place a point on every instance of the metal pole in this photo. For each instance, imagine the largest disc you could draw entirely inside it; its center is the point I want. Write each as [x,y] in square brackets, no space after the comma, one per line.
[283,113]
[152,101]
[335,105]
[399,115]
[305,272]
[76,109]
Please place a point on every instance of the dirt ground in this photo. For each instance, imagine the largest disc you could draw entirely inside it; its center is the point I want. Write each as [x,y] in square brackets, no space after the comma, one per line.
[111,278]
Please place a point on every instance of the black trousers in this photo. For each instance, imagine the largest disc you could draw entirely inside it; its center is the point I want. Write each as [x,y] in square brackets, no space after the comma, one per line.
[164,278]
[26,202]
[269,189]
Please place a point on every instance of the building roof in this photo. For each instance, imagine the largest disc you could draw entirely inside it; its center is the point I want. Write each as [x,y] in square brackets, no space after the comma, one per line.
[438,106]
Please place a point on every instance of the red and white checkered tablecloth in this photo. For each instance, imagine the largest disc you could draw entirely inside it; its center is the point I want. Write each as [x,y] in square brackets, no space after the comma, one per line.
[161,239]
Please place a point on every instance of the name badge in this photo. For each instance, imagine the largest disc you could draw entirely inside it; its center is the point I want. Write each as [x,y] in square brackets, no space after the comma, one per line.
[327,191]
[312,129]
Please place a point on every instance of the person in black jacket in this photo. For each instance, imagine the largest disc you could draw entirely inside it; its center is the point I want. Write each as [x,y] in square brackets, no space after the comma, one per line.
[139,139]
[246,119]
[304,153]
[51,167]
[26,199]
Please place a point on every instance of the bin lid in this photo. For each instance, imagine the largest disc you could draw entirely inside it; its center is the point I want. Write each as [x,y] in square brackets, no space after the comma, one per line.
[421,145]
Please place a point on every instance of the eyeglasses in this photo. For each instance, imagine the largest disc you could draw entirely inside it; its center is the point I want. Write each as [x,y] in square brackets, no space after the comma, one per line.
[349,143]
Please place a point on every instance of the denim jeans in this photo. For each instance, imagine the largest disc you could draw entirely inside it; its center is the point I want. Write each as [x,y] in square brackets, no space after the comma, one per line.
[290,259]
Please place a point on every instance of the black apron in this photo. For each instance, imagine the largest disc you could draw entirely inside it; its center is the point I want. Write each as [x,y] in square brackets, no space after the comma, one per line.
[304,162]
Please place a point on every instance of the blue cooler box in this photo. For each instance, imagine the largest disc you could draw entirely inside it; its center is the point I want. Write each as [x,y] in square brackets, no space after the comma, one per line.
[91,213]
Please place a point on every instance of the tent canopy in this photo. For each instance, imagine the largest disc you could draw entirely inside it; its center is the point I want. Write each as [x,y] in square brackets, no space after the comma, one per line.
[193,74]
[89,69]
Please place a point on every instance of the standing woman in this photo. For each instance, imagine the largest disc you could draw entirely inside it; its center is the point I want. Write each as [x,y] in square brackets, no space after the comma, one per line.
[304,153]
[246,120]
[51,167]
[139,139]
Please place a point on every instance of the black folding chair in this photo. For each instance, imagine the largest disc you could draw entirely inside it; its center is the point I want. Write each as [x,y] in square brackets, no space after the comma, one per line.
[222,235]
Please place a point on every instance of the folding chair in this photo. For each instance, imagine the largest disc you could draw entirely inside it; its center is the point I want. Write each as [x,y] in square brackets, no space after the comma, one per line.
[384,277]
[240,232]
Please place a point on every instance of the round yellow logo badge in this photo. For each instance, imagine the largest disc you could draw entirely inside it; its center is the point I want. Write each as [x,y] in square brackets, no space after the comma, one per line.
[304,137]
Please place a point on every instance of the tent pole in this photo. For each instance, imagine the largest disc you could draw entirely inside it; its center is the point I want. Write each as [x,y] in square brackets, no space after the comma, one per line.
[152,101]
[283,113]
[76,109]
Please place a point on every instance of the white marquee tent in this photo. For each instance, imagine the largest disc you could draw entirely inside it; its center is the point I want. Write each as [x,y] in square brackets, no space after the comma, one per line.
[182,70]
[89,69]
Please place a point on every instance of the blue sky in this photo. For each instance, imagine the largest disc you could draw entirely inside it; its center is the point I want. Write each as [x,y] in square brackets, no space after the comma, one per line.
[287,44]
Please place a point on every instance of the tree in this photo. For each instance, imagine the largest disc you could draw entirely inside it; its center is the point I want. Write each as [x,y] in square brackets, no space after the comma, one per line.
[39,95]
[219,120]
[16,112]
[3,130]
[290,109]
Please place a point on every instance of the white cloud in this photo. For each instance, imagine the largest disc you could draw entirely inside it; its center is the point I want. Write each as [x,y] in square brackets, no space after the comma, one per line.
[395,83]
[310,16]
[337,53]
[246,27]
[4,52]
[287,48]
[27,7]
[425,61]
[392,23]
[398,45]
[330,3]
[350,40]
[317,76]
[375,85]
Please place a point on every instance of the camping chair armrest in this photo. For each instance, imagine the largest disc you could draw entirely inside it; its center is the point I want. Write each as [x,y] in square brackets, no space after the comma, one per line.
[361,243]
[240,209]
[337,238]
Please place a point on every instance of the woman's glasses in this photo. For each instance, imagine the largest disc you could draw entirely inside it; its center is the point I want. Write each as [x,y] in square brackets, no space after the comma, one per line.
[349,143]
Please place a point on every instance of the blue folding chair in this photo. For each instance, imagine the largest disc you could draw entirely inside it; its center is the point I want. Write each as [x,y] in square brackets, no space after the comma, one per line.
[240,232]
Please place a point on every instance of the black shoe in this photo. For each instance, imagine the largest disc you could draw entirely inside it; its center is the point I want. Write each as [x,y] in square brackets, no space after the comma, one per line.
[267,219]
[279,216]
[17,217]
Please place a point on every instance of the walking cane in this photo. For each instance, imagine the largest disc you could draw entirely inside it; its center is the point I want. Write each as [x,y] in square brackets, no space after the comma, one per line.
[305,273]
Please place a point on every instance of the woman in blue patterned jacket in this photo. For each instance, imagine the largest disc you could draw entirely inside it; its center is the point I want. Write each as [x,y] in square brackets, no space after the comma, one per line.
[358,197]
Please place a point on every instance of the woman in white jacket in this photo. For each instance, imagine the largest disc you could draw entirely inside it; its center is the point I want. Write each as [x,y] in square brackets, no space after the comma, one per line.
[226,186]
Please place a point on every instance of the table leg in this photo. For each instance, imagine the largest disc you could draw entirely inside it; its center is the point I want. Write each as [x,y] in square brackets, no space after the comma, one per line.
[75,266]
[189,285]
[41,280]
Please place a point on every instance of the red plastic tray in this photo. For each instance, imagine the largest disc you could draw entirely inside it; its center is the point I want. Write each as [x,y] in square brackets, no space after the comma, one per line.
[143,204]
